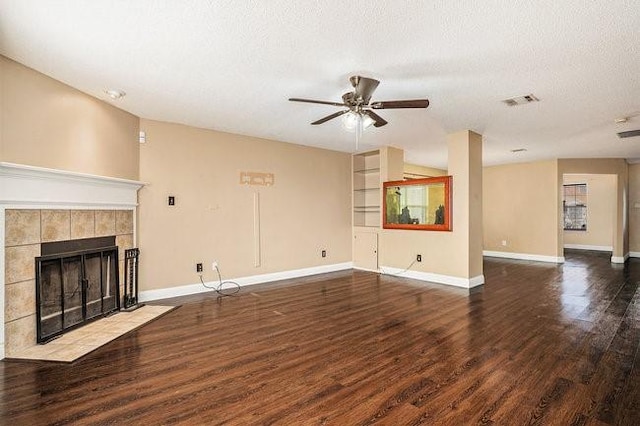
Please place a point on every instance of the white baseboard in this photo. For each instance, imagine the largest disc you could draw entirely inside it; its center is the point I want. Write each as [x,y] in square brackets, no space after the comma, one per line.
[365,269]
[618,259]
[435,278]
[184,290]
[634,254]
[588,247]
[523,256]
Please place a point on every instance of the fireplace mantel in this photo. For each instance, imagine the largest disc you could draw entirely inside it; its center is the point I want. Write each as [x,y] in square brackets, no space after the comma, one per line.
[30,187]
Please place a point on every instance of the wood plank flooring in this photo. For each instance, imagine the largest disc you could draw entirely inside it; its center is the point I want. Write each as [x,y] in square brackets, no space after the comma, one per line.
[537,344]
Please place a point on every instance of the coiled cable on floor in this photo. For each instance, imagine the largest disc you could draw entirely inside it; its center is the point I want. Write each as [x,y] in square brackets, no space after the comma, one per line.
[383,272]
[222,292]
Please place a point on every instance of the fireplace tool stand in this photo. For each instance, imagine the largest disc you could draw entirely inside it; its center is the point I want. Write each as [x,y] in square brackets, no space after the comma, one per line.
[131,280]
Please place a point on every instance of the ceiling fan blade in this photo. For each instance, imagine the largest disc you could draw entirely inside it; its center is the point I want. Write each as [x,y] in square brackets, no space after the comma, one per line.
[330,117]
[414,103]
[364,87]
[313,101]
[379,121]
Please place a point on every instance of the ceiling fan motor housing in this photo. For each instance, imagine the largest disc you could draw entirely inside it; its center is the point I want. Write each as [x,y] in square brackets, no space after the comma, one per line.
[358,101]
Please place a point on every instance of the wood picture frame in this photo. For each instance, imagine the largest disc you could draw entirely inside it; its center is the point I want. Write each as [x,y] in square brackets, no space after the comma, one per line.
[418,204]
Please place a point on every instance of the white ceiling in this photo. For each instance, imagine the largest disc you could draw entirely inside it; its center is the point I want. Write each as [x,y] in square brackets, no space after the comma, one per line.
[230,65]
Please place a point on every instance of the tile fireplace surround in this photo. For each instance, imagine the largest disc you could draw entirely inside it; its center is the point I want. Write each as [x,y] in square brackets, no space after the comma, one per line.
[43,205]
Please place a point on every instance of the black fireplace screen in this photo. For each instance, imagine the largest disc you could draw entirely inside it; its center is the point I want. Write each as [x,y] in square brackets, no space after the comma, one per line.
[74,288]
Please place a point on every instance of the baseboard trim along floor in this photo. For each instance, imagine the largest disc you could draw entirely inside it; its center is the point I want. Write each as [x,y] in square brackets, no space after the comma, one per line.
[185,290]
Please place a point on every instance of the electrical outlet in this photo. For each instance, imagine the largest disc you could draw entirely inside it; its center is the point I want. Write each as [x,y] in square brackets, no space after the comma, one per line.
[198,267]
[324,253]
[214,265]
[419,258]
[504,243]
[171,200]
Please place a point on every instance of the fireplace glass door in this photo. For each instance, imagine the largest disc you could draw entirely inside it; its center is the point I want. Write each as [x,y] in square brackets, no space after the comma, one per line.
[74,288]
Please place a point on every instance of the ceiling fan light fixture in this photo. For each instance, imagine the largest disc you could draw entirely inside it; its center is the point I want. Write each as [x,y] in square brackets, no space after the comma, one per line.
[350,120]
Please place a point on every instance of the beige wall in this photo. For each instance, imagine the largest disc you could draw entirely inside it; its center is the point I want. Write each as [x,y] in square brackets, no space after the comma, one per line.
[46,123]
[457,253]
[523,205]
[520,203]
[307,210]
[391,163]
[422,171]
[601,208]
[634,208]
[605,166]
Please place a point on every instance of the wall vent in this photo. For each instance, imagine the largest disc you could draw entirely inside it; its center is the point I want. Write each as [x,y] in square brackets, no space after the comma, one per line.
[521,100]
[629,134]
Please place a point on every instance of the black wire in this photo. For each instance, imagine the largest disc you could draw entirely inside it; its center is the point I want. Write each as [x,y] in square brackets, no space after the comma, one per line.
[229,292]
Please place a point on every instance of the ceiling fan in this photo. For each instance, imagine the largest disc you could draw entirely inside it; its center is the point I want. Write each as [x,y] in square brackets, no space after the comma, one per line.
[359,104]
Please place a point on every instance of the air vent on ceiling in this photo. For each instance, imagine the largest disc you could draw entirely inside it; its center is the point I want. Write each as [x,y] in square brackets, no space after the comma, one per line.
[521,100]
[629,134]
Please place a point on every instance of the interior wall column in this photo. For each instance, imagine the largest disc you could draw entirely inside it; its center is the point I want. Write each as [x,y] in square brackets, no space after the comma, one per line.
[465,164]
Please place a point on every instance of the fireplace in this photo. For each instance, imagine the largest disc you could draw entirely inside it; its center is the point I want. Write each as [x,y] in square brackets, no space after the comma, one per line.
[76,282]
[41,205]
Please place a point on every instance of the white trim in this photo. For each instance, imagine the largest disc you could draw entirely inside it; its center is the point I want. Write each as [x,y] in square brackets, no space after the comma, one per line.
[38,187]
[435,278]
[634,253]
[523,256]
[366,269]
[476,281]
[618,259]
[588,247]
[64,205]
[188,289]
[23,170]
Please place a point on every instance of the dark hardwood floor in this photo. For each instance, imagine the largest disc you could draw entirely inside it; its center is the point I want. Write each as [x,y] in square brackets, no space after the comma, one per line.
[537,344]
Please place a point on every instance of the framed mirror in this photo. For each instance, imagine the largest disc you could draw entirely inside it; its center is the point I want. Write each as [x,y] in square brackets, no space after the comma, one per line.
[421,204]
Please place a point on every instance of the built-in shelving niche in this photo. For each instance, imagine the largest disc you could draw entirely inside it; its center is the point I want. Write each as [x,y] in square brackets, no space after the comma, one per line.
[367,195]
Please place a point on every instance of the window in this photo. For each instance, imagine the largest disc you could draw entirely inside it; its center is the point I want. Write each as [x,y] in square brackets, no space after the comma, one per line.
[574,205]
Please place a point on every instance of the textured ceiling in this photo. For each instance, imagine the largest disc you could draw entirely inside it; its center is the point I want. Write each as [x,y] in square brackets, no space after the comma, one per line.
[230,65]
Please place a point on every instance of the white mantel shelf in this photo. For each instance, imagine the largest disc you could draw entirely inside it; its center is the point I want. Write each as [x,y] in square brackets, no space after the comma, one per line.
[36,187]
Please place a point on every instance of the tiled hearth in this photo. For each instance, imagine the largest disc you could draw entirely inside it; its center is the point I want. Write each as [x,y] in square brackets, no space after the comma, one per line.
[25,230]
[81,341]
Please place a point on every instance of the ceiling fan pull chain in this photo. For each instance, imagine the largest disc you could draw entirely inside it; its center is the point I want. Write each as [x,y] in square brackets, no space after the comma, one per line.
[358,129]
